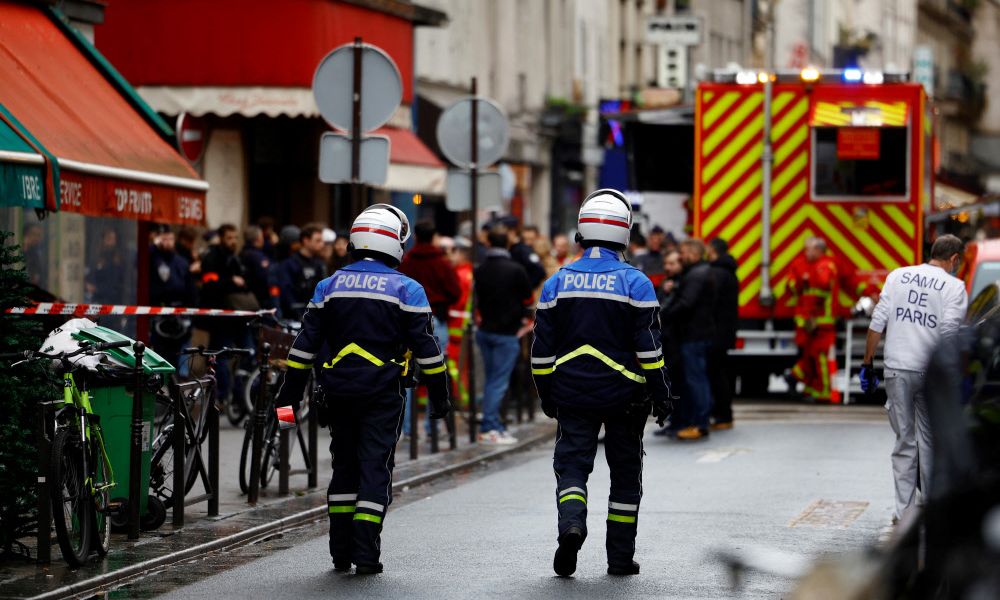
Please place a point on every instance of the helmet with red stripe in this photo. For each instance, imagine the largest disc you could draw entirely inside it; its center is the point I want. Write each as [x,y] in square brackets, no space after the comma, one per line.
[380,229]
[605,216]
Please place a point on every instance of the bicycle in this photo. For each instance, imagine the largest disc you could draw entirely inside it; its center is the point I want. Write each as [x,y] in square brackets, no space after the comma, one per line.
[80,471]
[194,409]
[270,455]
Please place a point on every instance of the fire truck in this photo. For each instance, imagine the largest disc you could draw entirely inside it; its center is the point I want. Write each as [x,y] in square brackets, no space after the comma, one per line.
[782,156]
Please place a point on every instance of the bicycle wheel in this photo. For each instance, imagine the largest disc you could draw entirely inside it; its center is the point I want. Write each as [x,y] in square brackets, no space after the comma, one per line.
[161,470]
[245,456]
[102,516]
[270,457]
[72,506]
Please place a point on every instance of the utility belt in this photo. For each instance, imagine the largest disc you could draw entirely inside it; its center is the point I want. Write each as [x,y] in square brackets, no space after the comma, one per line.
[404,362]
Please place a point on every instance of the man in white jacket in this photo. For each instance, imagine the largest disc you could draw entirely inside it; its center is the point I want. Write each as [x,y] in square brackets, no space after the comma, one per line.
[919,306]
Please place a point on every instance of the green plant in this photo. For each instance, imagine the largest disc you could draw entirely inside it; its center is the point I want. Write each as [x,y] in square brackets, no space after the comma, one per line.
[19,413]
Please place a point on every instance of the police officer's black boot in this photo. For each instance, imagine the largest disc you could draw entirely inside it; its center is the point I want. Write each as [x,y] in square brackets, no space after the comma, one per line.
[564,563]
[368,569]
[632,569]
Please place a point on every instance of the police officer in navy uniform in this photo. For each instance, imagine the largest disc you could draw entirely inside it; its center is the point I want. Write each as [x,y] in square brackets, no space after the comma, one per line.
[597,360]
[357,331]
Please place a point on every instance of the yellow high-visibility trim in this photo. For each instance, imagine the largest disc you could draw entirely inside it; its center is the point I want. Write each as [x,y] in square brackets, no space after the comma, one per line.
[621,518]
[433,371]
[589,350]
[651,366]
[367,517]
[297,365]
[542,371]
[341,509]
[353,348]
[572,497]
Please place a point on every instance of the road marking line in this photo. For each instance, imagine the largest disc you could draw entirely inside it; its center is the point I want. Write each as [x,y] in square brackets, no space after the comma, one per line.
[829,514]
[719,454]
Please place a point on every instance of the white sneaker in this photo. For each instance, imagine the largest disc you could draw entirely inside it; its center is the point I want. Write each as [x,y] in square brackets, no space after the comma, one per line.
[500,438]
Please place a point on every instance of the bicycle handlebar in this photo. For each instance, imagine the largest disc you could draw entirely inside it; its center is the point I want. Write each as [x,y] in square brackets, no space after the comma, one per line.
[85,348]
[202,351]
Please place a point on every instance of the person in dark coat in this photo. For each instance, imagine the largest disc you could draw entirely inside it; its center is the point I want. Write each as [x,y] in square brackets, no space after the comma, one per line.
[257,264]
[522,253]
[727,300]
[224,285]
[503,292]
[427,264]
[692,312]
[170,284]
[669,291]
[298,275]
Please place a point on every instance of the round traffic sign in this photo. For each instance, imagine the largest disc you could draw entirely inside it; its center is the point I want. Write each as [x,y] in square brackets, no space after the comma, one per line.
[192,135]
[381,87]
[454,132]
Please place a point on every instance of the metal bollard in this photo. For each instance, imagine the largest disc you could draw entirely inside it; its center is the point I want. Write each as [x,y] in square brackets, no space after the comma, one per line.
[259,412]
[414,430]
[313,443]
[135,457]
[180,454]
[470,362]
[44,444]
[435,446]
[283,462]
[213,459]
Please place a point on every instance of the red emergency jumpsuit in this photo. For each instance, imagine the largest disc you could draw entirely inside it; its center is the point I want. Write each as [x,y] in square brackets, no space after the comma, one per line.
[815,287]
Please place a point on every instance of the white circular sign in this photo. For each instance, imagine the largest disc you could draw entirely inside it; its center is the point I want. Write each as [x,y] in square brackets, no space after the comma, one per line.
[381,87]
[454,132]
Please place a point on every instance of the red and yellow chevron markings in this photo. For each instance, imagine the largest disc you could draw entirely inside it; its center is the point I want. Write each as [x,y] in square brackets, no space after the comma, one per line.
[871,236]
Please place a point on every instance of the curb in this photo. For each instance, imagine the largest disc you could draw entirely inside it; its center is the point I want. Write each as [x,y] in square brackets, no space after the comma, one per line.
[94,585]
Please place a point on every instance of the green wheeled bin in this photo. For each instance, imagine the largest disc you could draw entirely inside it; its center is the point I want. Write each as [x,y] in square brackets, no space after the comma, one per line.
[111,400]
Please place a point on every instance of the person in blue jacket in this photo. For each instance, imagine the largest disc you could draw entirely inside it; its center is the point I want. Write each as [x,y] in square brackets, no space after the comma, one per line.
[597,360]
[366,327]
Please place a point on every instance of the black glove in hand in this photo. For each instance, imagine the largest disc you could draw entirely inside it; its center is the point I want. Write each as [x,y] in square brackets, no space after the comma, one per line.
[548,407]
[440,403]
[663,407]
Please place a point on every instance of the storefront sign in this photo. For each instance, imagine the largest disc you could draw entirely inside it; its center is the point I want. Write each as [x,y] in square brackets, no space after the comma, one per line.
[21,185]
[99,196]
[858,143]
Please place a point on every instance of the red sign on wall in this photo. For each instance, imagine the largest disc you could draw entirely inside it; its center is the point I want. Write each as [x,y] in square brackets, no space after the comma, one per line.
[98,196]
[858,143]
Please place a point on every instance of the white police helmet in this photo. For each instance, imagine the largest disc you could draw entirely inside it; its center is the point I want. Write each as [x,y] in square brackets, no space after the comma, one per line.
[605,216]
[381,228]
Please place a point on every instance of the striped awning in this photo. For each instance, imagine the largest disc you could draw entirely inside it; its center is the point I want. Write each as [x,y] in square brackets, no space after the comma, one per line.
[859,114]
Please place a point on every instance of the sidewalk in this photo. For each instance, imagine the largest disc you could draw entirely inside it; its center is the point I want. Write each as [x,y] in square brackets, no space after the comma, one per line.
[239,523]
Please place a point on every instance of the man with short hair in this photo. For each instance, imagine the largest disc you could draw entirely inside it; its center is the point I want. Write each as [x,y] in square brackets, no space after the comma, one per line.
[919,306]
[170,284]
[692,312]
[503,294]
[257,264]
[299,274]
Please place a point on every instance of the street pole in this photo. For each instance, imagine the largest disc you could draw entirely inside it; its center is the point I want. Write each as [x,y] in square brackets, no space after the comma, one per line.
[767,160]
[470,328]
[357,189]
[135,455]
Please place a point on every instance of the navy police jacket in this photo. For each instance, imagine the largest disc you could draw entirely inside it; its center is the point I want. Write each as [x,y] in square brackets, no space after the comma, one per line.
[597,335]
[356,331]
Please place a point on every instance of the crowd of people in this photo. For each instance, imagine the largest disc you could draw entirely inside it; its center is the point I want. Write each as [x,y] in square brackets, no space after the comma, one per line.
[262,267]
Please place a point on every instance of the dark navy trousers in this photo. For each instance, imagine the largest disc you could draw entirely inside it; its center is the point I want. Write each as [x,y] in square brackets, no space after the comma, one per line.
[364,431]
[576,448]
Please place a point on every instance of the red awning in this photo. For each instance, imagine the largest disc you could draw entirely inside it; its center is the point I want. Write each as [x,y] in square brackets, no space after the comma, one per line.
[406,148]
[112,162]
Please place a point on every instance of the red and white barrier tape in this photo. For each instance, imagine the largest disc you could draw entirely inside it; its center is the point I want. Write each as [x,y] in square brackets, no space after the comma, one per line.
[88,310]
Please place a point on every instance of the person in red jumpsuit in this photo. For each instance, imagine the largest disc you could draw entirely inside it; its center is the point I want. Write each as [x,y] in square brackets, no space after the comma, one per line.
[815,287]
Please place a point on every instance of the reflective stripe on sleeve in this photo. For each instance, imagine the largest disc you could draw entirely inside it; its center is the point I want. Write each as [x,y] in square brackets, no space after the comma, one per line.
[301,354]
[650,354]
[542,360]
[653,365]
[297,365]
[430,361]
[434,370]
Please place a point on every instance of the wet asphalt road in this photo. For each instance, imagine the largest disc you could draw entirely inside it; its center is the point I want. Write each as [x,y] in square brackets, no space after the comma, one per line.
[494,535]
